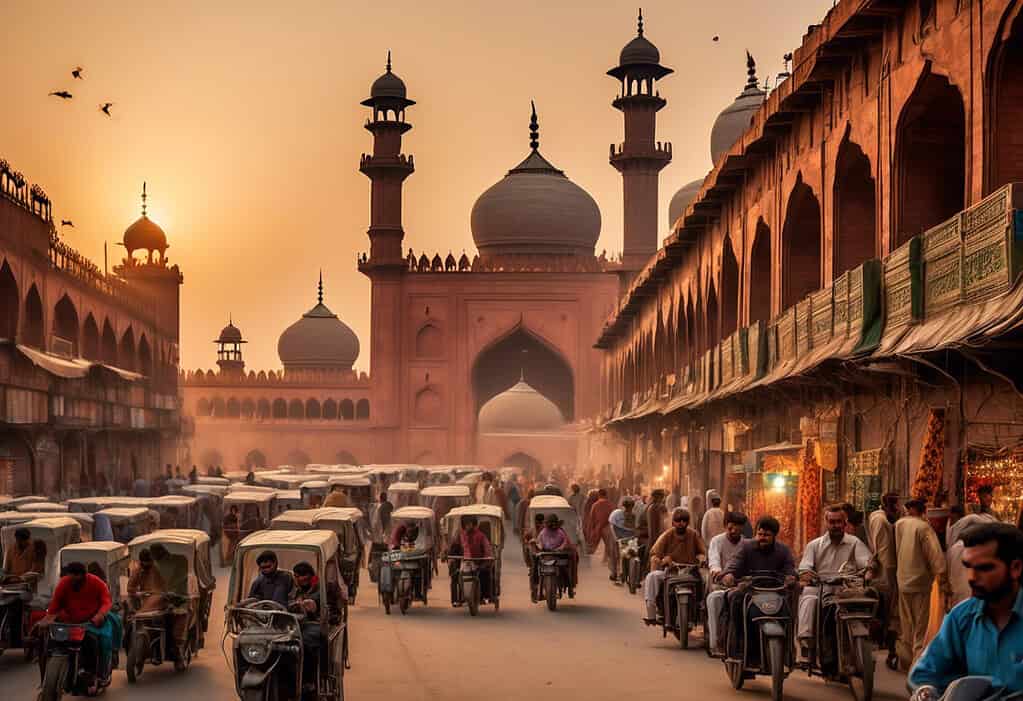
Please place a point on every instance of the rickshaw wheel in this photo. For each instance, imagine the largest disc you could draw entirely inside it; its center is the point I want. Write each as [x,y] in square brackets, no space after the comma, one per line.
[735,674]
[136,663]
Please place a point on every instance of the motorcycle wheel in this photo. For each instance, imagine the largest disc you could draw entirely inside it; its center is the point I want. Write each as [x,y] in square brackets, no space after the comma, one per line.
[683,623]
[551,586]
[776,655]
[473,596]
[137,653]
[253,694]
[633,575]
[861,684]
[735,674]
[53,679]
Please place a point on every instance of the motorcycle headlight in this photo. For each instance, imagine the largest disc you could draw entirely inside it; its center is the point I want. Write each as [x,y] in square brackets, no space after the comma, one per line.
[255,653]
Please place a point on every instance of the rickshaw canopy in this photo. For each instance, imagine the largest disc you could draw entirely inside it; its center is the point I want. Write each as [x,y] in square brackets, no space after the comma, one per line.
[30,499]
[200,490]
[552,504]
[111,556]
[350,481]
[241,487]
[446,490]
[290,547]
[413,513]
[404,487]
[43,507]
[294,520]
[55,532]
[493,515]
[192,544]
[212,481]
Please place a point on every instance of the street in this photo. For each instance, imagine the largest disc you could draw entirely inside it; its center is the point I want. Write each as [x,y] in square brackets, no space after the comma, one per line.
[594,647]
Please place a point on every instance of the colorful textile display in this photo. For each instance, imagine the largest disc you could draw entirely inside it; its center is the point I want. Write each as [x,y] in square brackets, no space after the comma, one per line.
[809,498]
[932,458]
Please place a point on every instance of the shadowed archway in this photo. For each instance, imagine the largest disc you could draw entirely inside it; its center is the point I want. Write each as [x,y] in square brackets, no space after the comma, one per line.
[801,242]
[855,208]
[527,462]
[1005,90]
[32,334]
[9,302]
[760,292]
[520,355]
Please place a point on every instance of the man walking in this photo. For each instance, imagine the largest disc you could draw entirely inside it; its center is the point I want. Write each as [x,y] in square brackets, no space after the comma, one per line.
[919,562]
[881,539]
[714,519]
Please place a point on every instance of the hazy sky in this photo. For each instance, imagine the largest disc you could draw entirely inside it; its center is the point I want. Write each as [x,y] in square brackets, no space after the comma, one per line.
[244,119]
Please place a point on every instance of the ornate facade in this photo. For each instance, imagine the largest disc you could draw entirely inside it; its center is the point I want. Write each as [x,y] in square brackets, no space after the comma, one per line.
[88,360]
[846,272]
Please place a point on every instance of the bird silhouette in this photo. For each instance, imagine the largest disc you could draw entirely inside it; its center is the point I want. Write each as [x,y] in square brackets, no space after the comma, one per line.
[77,72]
[62,94]
[105,108]
[716,37]
[67,222]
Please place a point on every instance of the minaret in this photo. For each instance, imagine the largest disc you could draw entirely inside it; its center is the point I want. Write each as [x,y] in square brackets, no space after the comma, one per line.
[639,158]
[387,168]
[229,349]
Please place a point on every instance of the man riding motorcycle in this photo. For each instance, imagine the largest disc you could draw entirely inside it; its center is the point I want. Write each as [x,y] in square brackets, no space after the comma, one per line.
[826,556]
[623,528]
[471,542]
[680,545]
[720,551]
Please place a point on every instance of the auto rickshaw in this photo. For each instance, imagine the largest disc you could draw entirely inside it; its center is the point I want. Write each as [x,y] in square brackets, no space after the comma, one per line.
[107,559]
[314,492]
[358,489]
[407,569]
[85,521]
[350,528]
[43,507]
[270,643]
[211,507]
[181,584]
[403,494]
[555,573]
[24,595]
[442,498]
[465,572]
[176,511]
[245,513]
[287,499]
[128,523]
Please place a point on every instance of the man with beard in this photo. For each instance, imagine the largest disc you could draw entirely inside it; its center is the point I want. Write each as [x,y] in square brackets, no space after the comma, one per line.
[679,545]
[982,636]
[719,553]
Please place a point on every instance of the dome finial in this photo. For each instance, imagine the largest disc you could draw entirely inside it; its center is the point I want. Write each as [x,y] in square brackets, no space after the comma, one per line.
[319,289]
[639,24]
[143,198]
[751,70]
[534,129]
[388,60]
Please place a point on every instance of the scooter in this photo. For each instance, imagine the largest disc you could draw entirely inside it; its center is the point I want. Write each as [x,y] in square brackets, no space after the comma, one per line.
[683,601]
[764,642]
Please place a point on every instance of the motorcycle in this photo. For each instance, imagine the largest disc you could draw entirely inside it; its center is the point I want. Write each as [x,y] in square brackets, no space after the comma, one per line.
[406,579]
[682,602]
[762,638]
[629,563]
[15,597]
[554,570]
[70,663]
[845,609]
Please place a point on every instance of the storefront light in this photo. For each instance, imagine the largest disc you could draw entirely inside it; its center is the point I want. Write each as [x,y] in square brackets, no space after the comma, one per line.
[778,483]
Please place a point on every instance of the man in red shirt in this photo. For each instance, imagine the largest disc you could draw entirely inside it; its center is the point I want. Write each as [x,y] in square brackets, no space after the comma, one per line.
[81,597]
[475,544]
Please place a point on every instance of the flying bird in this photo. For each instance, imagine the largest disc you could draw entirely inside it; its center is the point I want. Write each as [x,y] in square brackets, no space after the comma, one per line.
[716,37]
[77,72]
[105,108]
[67,222]
[62,94]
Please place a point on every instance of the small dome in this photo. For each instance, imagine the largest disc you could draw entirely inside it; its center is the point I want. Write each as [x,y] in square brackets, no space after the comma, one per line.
[144,235]
[388,85]
[535,209]
[639,51]
[230,334]
[682,199]
[735,119]
[319,340]
[520,409]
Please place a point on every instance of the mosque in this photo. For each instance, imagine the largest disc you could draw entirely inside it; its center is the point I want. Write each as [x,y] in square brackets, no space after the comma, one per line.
[488,360]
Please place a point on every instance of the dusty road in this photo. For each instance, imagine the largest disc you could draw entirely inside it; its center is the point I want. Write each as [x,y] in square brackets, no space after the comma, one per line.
[594,648]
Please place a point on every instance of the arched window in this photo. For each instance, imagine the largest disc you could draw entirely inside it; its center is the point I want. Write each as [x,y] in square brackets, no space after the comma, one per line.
[248,408]
[362,409]
[255,458]
[145,357]
[296,410]
[280,409]
[428,407]
[263,409]
[234,408]
[126,351]
[203,407]
[90,339]
[429,342]
[1006,108]
[729,290]
[108,348]
[297,458]
[32,334]
[65,323]
[713,322]
[801,242]
[10,301]
[760,275]
[345,458]
[930,157]
[312,409]
[330,409]
[219,407]
[855,217]
[347,409]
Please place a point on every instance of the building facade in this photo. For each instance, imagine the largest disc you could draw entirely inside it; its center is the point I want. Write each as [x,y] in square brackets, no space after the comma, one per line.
[835,311]
[88,360]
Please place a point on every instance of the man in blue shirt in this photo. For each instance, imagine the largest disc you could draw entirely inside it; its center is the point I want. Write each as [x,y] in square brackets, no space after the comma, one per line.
[982,636]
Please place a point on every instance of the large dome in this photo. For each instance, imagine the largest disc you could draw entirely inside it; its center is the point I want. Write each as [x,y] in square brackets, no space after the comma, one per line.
[735,119]
[535,209]
[319,341]
[682,199]
[520,409]
[145,235]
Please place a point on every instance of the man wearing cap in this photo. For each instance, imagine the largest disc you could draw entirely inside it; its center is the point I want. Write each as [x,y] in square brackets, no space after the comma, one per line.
[714,519]
[920,561]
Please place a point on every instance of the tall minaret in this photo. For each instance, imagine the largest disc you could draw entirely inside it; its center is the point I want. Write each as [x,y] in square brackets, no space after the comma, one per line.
[387,167]
[640,158]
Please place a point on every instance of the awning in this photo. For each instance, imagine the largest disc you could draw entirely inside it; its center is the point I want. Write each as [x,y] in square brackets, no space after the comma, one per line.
[69,368]
[122,373]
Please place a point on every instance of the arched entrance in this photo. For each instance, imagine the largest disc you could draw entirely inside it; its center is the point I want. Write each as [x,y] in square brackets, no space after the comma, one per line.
[145,365]
[930,157]
[65,323]
[108,348]
[90,338]
[527,462]
[32,334]
[760,274]
[297,458]
[855,213]
[8,302]
[729,290]
[345,458]
[1005,107]
[521,354]
[801,242]
[255,458]
[126,352]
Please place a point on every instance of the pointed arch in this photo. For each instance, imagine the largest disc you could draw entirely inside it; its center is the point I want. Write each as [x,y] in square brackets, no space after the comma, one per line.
[234,408]
[145,365]
[527,462]
[248,408]
[347,410]
[729,289]
[32,333]
[296,409]
[65,323]
[855,208]
[343,457]
[330,409]
[90,339]
[801,244]
[219,407]
[761,293]
[10,302]
[126,350]
[428,407]
[280,408]
[108,344]
[1004,159]
[312,409]
[203,407]
[930,156]
[263,410]
[713,320]
[429,342]
[297,458]
[362,409]
[255,458]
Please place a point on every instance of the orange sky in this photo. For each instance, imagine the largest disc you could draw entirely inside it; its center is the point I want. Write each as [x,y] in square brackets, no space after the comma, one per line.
[244,119]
